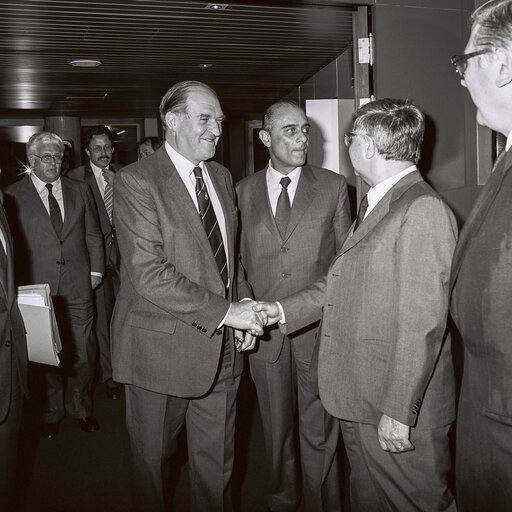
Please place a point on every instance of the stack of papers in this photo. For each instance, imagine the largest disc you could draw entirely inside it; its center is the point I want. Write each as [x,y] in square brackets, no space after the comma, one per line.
[43,340]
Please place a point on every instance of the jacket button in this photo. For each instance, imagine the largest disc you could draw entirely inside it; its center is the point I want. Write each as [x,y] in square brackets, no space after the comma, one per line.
[284,276]
[203,329]
[7,343]
[218,332]
[284,249]
[194,324]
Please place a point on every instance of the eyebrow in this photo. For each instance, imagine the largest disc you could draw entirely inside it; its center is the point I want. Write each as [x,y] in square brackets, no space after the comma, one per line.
[294,125]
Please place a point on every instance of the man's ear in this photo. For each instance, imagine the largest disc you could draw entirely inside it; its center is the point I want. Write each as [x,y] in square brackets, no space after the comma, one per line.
[171,120]
[87,152]
[369,147]
[504,58]
[265,137]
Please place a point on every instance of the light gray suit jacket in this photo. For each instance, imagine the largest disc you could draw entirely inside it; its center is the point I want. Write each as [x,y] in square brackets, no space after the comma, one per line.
[165,335]
[277,267]
[385,306]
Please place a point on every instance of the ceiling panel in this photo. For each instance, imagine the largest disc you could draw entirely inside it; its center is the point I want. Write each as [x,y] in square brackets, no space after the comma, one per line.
[255,52]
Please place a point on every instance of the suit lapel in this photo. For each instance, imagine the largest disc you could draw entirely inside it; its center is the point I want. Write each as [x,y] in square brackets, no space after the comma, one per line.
[261,203]
[306,191]
[33,200]
[178,195]
[70,200]
[381,210]
[480,211]
[5,282]
[100,204]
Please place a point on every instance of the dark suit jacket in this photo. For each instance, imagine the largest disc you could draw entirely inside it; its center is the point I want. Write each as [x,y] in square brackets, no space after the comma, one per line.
[86,174]
[13,345]
[39,252]
[385,306]
[277,268]
[482,297]
[165,335]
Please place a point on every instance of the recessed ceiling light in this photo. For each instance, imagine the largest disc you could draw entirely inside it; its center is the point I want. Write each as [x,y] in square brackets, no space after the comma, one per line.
[205,66]
[216,7]
[85,63]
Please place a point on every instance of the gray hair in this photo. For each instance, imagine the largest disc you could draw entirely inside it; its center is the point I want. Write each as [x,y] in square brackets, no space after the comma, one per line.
[493,22]
[175,99]
[43,138]
[395,126]
[271,113]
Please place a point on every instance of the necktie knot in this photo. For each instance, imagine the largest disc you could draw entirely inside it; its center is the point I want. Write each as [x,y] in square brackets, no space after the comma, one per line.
[198,172]
[362,211]
[285,182]
[49,186]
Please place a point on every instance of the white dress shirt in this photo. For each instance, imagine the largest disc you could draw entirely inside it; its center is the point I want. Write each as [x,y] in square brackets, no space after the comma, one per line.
[274,185]
[376,193]
[509,142]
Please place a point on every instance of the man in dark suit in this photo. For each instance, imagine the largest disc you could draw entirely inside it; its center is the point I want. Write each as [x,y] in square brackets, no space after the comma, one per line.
[176,223]
[294,218]
[57,241]
[99,174]
[13,369]
[385,368]
[482,279]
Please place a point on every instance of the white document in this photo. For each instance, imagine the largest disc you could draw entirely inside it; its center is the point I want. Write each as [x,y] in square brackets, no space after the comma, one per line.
[43,340]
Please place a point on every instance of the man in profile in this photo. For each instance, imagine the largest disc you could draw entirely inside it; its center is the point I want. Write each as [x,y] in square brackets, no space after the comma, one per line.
[99,174]
[482,278]
[385,368]
[294,219]
[176,222]
[57,241]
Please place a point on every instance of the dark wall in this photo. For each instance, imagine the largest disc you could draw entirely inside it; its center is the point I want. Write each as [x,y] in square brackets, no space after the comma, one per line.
[415,40]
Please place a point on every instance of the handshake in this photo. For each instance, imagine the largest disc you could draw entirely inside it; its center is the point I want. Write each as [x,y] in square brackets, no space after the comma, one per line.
[251,316]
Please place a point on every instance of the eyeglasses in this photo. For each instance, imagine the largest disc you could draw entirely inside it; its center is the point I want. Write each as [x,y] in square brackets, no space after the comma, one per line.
[347,138]
[461,61]
[99,149]
[49,159]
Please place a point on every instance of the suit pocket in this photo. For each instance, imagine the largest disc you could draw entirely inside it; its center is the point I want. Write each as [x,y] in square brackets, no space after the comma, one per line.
[152,321]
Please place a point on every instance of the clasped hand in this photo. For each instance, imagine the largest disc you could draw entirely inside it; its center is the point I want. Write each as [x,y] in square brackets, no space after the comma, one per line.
[251,317]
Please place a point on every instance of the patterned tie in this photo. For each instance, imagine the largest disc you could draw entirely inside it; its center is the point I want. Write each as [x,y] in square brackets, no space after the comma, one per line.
[283,208]
[211,225]
[55,213]
[362,210]
[108,199]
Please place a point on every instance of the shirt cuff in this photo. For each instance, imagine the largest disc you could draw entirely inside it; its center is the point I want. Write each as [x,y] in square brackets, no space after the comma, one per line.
[282,320]
[225,316]
[97,274]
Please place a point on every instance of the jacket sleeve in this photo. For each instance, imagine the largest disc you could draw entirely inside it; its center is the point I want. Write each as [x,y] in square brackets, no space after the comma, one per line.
[93,235]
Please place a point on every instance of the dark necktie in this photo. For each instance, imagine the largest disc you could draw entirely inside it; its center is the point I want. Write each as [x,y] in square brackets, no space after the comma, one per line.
[362,210]
[211,225]
[55,213]
[283,208]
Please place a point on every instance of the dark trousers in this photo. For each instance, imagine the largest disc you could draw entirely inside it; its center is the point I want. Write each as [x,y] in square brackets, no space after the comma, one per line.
[283,389]
[154,421]
[381,481]
[484,459]
[104,301]
[9,436]
[69,387]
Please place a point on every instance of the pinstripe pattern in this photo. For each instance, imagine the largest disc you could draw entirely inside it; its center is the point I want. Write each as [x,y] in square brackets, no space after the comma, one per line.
[108,199]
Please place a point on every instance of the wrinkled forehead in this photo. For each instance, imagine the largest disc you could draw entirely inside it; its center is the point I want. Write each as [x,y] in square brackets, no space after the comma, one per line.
[47,147]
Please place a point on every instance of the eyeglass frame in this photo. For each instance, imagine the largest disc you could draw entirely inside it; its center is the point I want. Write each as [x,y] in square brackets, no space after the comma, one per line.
[460,62]
[57,159]
[109,148]
[348,136]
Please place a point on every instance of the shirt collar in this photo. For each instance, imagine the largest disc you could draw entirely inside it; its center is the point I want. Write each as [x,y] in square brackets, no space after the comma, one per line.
[276,176]
[182,164]
[95,169]
[41,185]
[509,142]
[376,193]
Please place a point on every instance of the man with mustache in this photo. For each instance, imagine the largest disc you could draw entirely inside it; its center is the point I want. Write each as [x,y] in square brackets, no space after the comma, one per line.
[99,174]
[294,218]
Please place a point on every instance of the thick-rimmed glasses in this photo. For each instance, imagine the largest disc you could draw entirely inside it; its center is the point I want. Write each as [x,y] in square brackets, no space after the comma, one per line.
[348,136]
[99,149]
[49,159]
[461,61]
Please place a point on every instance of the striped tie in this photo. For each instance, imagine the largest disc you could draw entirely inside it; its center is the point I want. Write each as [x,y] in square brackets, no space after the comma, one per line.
[211,225]
[108,199]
